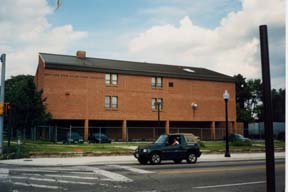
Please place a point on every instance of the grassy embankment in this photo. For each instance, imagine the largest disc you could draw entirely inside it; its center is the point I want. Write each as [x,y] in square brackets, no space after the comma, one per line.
[46,148]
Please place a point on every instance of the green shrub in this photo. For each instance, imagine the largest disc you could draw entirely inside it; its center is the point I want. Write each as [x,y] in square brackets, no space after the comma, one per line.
[8,156]
[241,143]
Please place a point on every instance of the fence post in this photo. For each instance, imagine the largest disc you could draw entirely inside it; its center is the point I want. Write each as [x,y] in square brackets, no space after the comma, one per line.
[49,133]
[127,136]
[70,132]
[100,135]
[56,130]
[33,133]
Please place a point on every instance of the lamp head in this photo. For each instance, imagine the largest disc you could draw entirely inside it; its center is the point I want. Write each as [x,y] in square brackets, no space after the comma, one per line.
[194,105]
[226,95]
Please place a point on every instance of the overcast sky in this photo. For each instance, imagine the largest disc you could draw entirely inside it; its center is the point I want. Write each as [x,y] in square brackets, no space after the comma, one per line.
[220,35]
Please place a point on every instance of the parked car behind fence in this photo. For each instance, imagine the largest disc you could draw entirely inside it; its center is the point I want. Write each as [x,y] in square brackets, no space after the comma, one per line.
[99,138]
[73,137]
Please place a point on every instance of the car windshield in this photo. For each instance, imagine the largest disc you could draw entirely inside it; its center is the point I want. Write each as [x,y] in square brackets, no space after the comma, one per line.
[73,135]
[239,136]
[161,139]
[100,135]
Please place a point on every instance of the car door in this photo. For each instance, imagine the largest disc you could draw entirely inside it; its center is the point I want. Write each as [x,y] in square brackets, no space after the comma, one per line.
[181,153]
[171,151]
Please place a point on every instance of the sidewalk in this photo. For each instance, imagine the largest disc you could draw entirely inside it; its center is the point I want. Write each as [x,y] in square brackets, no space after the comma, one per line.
[100,160]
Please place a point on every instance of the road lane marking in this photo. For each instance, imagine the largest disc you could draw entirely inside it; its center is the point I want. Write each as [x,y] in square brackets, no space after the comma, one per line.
[58,169]
[72,176]
[83,173]
[64,176]
[210,170]
[4,173]
[132,169]
[36,185]
[230,185]
[33,170]
[111,176]
[51,180]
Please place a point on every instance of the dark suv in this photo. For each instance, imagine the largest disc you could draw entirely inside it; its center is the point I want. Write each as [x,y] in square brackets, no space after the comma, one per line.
[73,137]
[99,138]
[188,149]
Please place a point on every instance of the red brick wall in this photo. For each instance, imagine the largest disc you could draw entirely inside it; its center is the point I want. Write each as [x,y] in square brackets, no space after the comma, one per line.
[39,77]
[80,95]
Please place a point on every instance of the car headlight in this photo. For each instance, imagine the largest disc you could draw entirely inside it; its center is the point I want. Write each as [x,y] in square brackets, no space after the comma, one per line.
[145,150]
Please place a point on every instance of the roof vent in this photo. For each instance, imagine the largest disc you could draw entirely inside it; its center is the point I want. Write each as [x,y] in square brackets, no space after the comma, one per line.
[189,70]
[81,54]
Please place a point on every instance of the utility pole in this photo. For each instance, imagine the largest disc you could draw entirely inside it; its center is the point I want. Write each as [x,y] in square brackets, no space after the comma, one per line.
[3,60]
[268,123]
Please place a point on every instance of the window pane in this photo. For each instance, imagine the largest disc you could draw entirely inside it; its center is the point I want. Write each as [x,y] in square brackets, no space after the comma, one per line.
[107,79]
[159,81]
[114,102]
[107,101]
[160,100]
[153,81]
[153,103]
[114,79]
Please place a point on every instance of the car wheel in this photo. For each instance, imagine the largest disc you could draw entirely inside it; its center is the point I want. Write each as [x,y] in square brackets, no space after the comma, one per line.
[191,158]
[177,161]
[143,161]
[155,158]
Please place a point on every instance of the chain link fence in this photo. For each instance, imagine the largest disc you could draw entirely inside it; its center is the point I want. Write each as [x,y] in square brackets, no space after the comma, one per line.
[59,133]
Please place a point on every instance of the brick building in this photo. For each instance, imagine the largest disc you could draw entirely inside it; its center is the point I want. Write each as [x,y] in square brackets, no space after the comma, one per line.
[123,97]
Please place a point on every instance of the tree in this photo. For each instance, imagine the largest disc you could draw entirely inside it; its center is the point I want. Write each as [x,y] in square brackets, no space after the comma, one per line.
[249,99]
[27,104]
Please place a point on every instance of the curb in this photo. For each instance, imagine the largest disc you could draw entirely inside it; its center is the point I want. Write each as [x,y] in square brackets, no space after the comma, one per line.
[104,159]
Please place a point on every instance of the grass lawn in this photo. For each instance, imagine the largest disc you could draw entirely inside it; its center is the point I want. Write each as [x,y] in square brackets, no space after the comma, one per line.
[46,147]
[256,145]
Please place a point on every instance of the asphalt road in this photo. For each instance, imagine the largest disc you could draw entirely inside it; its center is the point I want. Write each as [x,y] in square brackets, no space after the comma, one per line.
[205,176]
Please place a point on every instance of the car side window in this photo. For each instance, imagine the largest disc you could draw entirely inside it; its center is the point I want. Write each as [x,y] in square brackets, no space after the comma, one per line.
[178,138]
[171,140]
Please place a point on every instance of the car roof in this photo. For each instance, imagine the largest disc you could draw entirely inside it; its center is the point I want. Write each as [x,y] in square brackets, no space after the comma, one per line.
[181,134]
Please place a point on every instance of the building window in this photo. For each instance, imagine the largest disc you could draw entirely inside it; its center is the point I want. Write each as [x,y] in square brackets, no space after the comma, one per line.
[107,79]
[171,84]
[111,79]
[155,102]
[111,102]
[114,102]
[157,82]
[114,79]
[107,102]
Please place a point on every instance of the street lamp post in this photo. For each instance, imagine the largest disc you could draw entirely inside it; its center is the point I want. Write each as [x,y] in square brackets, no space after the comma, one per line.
[157,104]
[226,98]
[158,107]
[2,94]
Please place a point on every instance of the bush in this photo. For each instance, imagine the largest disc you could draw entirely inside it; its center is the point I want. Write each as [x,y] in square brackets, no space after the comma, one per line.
[239,143]
[8,156]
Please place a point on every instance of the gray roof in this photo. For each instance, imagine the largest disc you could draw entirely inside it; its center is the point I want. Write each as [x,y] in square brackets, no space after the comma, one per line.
[66,62]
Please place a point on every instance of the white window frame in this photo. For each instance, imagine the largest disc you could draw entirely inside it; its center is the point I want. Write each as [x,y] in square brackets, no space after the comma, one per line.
[111,79]
[114,99]
[107,102]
